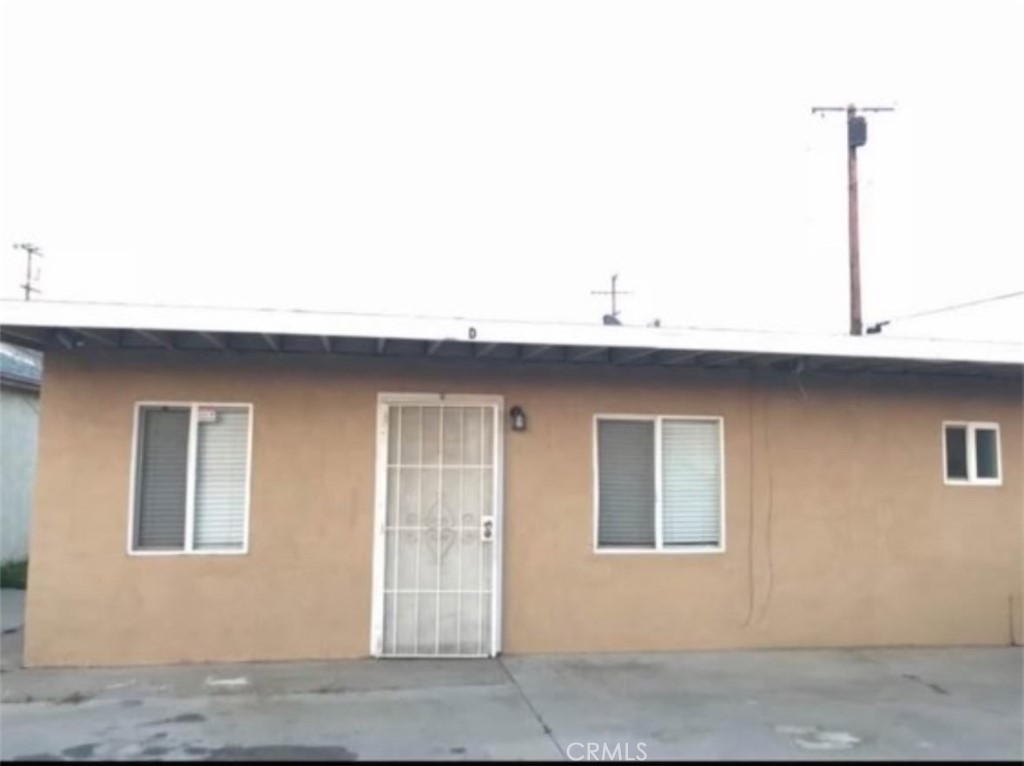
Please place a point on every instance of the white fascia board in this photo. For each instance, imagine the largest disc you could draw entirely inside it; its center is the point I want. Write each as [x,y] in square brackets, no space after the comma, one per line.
[293,322]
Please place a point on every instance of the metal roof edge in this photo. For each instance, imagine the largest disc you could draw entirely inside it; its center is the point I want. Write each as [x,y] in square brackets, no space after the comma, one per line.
[56,314]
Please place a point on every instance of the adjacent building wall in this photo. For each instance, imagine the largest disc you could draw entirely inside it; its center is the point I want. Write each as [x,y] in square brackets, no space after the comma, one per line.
[19,424]
[840,529]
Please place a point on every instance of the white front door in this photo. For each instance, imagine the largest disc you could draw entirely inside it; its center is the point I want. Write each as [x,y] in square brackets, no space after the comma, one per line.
[438,527]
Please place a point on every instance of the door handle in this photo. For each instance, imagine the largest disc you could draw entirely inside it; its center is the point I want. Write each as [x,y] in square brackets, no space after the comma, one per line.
[487,528]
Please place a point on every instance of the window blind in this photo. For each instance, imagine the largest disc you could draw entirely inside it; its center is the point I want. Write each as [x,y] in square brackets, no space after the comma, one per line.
[690,482]
[162,476]
[222,447]
[626,483]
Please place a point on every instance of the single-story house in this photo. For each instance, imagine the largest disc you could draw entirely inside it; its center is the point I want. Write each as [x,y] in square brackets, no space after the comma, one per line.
[20,372]
[227,485]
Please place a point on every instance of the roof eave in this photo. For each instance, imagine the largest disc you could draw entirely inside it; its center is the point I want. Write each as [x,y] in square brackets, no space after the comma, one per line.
[37,324]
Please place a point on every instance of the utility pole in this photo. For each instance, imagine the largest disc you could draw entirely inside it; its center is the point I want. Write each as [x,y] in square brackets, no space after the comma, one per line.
[856,136]
[30,251]
[612,318]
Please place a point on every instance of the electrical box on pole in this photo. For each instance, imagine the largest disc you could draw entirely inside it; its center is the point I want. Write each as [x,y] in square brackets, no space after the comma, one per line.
[856,131]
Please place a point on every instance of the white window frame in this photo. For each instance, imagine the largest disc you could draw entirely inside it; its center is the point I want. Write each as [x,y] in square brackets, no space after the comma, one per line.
[972,480]
[659,547]
[190,497]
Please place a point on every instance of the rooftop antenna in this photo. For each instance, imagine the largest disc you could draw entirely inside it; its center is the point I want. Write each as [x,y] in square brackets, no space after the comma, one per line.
[30,278]
[612,318]
[856,136]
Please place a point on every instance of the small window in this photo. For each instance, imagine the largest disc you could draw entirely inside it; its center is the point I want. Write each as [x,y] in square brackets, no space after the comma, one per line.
[191,478]
[659,484]
[971,453]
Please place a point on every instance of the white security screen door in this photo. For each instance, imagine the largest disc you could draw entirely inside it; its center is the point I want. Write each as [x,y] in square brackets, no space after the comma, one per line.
[437,579]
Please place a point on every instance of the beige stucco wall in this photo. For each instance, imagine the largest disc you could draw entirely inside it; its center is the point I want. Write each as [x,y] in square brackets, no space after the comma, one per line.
[840,530]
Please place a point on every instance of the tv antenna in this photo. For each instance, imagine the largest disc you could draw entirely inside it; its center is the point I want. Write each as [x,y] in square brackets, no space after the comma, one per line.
[856,136]
[31,251]
[612,318]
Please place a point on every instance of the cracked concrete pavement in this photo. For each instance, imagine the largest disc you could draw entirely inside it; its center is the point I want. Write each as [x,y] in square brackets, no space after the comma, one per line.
[956,703]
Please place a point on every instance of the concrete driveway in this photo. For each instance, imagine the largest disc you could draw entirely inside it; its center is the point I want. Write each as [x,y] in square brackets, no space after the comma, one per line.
[825,704]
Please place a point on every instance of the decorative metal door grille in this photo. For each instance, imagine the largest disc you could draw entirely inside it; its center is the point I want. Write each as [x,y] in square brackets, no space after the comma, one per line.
[439,530]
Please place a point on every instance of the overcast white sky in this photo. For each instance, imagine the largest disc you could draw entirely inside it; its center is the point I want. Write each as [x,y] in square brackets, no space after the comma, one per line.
[502,159]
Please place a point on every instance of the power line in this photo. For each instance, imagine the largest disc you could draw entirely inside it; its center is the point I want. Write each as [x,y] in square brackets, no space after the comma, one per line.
[876,328]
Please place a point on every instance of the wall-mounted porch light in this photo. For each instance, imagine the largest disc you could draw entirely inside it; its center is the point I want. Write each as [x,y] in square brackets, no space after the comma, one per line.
[518,418]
